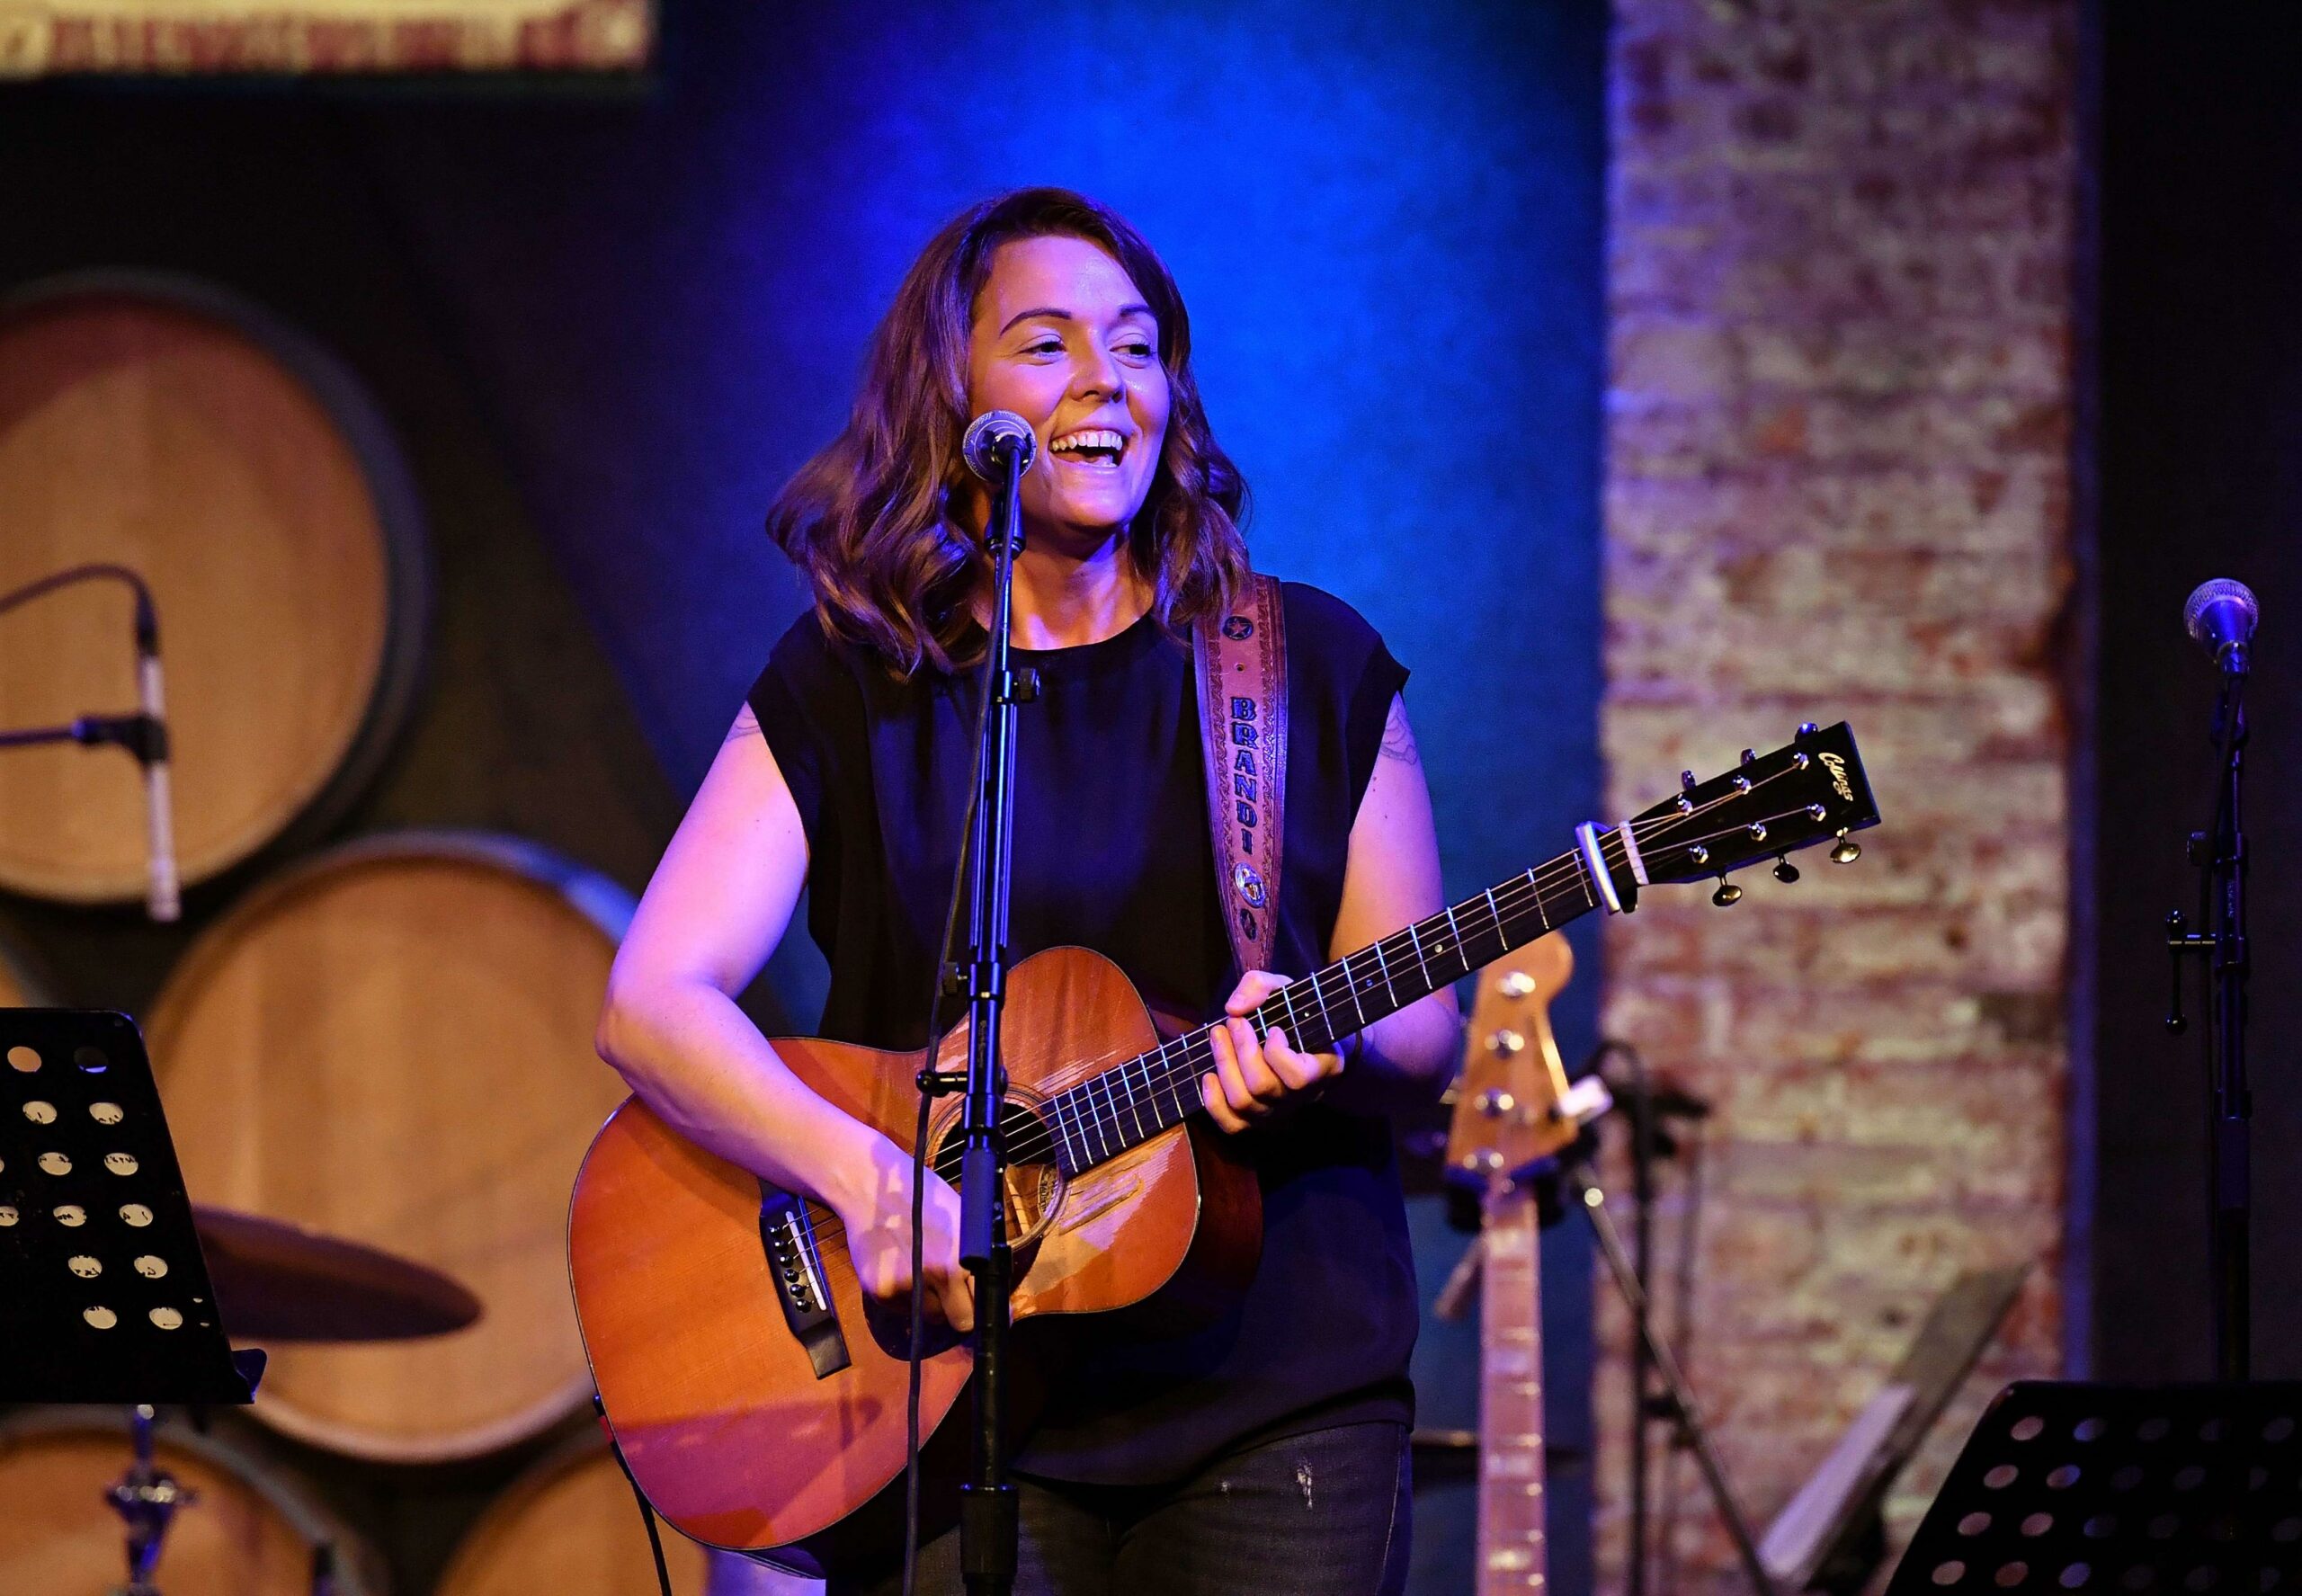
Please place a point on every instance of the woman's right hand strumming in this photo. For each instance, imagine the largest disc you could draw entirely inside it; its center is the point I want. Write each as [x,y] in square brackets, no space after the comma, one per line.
[716,906]
[876,1210]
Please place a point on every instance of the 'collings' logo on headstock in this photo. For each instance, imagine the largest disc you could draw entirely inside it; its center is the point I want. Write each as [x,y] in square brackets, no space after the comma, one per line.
[1837,768]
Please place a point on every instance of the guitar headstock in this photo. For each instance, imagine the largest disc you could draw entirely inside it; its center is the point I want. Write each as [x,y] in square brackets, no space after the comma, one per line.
[1507,1104]
[1811,790]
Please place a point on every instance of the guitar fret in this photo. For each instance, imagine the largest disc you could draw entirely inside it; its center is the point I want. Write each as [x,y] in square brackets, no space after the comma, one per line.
[1327,1020]
[1171,1080]
[1068,1157]
[1110,1108]
[1092,1122]
[1133,1111]
[1358,1000]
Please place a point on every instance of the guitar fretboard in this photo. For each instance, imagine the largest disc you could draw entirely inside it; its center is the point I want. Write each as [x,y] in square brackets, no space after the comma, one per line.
[1128,1103]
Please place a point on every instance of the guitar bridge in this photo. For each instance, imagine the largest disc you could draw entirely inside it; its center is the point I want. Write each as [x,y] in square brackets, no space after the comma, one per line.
[796,1263]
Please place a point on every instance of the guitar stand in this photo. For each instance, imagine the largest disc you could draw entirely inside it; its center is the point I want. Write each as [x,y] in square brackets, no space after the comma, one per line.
[1576,1173]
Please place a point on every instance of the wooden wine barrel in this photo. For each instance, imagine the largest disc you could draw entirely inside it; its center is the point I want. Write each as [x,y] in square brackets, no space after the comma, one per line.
[571,1528]
[166,426]
[392,1043]
[252,1531]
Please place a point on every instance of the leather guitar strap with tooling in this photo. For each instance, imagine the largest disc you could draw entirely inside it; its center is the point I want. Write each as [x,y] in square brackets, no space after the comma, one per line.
[1240,660]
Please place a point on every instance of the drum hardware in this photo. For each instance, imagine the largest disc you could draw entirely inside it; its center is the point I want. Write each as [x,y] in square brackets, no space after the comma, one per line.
[1442,1456]
[146,1498]
[280,1282]
[109,1291]
[283,1283]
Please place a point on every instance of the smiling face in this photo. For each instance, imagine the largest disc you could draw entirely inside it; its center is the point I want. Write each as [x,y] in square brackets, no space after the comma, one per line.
[1065,339]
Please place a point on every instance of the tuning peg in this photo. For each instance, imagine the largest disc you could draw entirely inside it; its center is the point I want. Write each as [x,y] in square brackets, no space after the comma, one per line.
[1686,780]
[1749,755]
[1846,849]
[1727,895]
[1784,870]
[1808,729]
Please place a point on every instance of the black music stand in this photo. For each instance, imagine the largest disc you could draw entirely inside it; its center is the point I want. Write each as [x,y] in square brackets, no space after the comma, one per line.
[2171,1490]
[104,1296]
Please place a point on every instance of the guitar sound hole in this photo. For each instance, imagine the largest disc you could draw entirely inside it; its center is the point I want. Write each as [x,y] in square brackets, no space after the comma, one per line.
[1033,1183]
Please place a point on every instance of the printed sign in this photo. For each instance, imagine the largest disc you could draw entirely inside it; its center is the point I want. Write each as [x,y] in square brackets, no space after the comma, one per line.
[296,38]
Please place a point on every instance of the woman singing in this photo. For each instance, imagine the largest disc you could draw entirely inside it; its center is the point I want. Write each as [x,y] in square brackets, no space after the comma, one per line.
[1264,1453]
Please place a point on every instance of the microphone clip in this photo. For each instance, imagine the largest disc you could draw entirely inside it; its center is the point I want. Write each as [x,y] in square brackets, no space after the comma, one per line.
[145,737]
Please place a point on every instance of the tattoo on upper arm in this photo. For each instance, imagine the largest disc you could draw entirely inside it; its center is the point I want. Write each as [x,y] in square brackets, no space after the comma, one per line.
[746,725]
[1398,738]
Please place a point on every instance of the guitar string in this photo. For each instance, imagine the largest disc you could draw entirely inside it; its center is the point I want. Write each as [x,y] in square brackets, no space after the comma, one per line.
[1197,1050]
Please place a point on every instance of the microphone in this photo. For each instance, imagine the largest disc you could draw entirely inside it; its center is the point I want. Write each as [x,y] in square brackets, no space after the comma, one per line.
[150,746]
[2221,616]
[991,437]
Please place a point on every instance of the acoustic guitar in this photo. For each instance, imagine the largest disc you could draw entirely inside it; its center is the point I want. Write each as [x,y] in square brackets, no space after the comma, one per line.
[723,1319]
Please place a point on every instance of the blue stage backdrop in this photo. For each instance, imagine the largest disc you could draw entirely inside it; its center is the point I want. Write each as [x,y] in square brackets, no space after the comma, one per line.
[1386,220]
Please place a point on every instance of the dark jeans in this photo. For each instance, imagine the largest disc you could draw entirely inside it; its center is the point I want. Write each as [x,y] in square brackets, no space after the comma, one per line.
[1320,1514]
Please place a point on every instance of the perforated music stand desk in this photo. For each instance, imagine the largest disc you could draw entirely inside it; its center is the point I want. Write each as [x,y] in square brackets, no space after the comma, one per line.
[104,1296]
[2123,1490]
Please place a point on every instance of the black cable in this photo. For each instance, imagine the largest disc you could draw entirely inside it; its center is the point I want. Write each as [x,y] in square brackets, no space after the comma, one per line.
[919,1154]
[646,1508]
[148,625]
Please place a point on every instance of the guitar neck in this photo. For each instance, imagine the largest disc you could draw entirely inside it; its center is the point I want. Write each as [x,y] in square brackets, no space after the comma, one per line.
[1104,1115]
[1511,1477]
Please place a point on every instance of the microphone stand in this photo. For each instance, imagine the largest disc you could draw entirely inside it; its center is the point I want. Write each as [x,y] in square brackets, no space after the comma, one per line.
[988,1507]
[2221,859]
[141,734]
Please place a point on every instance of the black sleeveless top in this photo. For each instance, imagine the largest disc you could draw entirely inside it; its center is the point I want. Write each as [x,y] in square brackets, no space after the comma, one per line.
[1113,853]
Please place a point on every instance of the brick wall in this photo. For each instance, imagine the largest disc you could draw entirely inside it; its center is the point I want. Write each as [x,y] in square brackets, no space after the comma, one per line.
[1839,405]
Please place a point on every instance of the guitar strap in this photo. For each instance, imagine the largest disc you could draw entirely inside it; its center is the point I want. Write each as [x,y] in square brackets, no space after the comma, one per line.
[1240,661]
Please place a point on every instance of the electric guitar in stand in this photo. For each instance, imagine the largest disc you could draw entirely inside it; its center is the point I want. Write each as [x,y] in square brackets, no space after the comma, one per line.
[1514,1113]
[756,1406]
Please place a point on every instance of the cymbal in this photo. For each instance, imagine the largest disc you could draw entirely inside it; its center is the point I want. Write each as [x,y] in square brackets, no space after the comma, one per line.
[279,1282]
[1448,1454]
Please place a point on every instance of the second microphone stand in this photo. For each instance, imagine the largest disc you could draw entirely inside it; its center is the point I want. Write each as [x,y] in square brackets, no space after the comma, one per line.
[2220,856]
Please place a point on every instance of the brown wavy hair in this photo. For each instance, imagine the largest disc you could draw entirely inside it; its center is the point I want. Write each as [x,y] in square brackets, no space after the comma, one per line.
[870,518]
